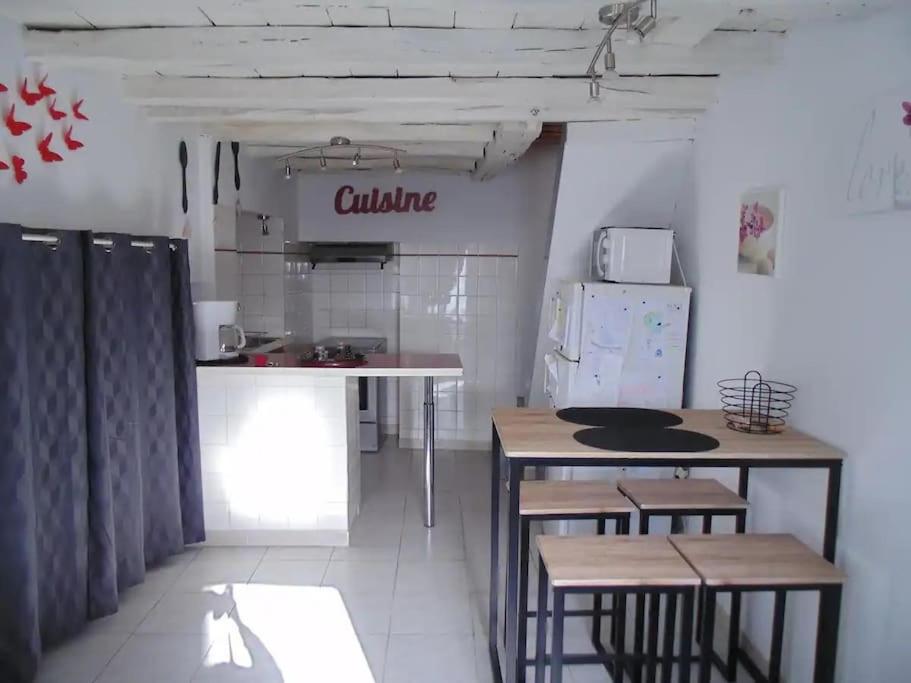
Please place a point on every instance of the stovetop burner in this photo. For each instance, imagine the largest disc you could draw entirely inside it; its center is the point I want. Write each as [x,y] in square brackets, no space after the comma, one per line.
[646,440]
[619,417]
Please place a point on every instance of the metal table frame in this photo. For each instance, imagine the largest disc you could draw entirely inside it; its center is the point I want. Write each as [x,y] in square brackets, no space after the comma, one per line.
[825,670]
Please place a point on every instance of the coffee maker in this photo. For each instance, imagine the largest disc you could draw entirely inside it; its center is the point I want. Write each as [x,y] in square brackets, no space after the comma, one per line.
[218,336]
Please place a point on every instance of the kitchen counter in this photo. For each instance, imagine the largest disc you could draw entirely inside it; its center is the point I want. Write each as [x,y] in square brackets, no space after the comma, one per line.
[281,454]
[377,365]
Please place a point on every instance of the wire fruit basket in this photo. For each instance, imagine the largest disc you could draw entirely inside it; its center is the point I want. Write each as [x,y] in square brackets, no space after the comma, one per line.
[755,405]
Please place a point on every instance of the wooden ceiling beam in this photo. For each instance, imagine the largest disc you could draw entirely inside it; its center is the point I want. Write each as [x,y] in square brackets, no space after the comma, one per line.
[510,141]
[432,100]
[333,52]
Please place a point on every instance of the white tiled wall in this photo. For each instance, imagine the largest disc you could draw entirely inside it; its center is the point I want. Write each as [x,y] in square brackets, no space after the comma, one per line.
[262,306]
[462,304]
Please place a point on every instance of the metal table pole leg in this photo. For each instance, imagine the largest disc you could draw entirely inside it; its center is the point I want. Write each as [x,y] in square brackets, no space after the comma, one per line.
[494,554]
[428,452]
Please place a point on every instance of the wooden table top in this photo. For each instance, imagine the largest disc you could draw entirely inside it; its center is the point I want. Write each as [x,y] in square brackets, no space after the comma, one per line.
[614,561]
[755,560]
[678,494]
[571,497]
[539,433]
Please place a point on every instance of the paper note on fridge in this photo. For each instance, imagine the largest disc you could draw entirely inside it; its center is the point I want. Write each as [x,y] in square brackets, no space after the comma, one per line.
[611,324]
[601,372]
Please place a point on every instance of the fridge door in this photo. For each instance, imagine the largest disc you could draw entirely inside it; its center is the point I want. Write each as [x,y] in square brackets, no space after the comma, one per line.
[635,335]
[566,319]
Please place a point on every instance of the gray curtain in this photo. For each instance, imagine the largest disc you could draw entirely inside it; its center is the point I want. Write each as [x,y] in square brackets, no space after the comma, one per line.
[99,474]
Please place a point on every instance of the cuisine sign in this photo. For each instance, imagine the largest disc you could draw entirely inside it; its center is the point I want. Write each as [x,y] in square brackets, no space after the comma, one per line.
[348,201]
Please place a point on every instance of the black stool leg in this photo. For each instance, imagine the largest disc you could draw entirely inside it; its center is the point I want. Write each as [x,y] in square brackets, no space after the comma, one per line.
[619,602]
[777,637]
[651,657]
[706,524]
[541,639]
[670,628]
[639,627]
[708,632]
[597,600]
[524,561]
[734,632]
[686,636]
[827,637]
[556,646]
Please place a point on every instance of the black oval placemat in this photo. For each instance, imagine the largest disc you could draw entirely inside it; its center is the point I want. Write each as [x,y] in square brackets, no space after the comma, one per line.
[619,417]
[646,440]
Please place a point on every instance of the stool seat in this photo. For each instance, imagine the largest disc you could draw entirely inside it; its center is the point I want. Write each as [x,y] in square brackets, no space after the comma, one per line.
[572,498]
[746,560]
[614,561]
[681,494]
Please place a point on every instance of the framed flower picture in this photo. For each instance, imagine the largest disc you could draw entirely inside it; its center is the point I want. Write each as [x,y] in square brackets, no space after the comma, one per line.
[758,251]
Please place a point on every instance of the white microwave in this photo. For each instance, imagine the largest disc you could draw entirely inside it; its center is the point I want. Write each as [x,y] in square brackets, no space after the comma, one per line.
[633,255]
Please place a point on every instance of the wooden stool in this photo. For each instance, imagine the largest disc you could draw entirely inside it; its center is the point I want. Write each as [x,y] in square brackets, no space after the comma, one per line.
[565,500]
[706,498]
[739,563]
[619,566]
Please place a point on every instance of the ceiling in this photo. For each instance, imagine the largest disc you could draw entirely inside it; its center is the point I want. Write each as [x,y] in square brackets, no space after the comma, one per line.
[460,85]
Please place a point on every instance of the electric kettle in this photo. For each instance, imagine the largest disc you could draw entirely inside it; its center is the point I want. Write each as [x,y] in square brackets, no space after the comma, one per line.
[218,336]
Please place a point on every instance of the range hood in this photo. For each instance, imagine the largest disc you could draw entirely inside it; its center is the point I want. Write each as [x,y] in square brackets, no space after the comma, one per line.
[347,255]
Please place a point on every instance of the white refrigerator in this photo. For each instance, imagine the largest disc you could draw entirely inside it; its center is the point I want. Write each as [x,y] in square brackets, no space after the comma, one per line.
[617,345]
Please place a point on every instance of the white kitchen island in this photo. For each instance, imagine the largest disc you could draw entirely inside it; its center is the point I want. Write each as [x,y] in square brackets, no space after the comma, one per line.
[281,455]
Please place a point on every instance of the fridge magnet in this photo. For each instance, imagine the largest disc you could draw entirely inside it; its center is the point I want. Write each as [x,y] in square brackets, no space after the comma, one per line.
[760,229]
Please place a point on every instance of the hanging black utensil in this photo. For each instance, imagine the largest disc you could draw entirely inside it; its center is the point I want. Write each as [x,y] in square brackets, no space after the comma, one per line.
[217,165]
[235,148]
[184,159]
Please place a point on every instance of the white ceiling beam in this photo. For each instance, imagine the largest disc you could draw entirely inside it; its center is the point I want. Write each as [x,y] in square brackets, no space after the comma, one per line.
[432,100]
[511,140]
[755,14]
[310,51]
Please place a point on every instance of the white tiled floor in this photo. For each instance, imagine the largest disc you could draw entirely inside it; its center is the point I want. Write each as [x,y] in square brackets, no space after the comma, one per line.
[400,605]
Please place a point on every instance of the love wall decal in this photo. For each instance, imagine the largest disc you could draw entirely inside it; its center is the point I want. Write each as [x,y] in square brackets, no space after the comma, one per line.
[347,201]
[47,123]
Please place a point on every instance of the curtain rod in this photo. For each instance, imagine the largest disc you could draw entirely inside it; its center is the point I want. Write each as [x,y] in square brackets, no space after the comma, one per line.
[98,241]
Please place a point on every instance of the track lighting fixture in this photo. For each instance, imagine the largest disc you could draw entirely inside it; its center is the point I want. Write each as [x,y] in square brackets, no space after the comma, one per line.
[288,170]
[322,162]
[396,165]
[357,158]
[341,149]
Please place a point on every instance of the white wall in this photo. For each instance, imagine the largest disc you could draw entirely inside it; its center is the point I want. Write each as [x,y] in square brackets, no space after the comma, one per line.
[125,179]
[622,174]
[835,322]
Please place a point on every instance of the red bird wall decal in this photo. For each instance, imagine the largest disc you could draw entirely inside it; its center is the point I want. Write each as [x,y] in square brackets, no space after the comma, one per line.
[55,113]
[15,127]
[19,170]
[3,88]
[30,98]
[47,154]
[45,90]
[4,166]
[78,114]
[71,143]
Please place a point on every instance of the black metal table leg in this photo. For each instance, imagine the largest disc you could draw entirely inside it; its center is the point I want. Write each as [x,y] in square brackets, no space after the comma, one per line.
[512,570]
[686,636]
[833,496]
[494,555]
[730,674]
[827,636]
[597,600]
[619,602]
[708,631]
[556,646]
[541,635]
[523,596]
[639,625]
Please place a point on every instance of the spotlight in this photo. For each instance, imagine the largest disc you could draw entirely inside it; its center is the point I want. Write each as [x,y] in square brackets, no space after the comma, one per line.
[396,165]
[357,159]
[645,26]
[322,162]
[288,170]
